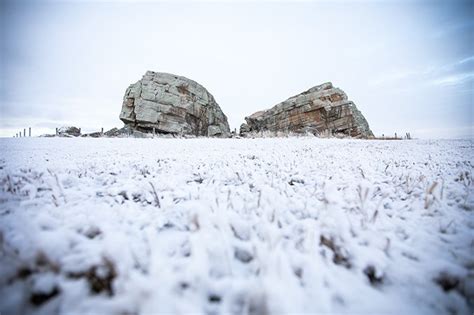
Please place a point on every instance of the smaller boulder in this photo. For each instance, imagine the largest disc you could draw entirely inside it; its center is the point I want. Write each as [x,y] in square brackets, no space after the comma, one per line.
[96,134]
[244,129]
[69,131]
[114,132]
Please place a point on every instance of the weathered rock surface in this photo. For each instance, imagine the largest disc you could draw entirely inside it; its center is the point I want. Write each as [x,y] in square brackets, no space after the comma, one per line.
[323,109]
[174,105]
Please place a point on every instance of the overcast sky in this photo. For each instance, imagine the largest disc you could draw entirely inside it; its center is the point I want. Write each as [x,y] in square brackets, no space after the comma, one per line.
[407,65]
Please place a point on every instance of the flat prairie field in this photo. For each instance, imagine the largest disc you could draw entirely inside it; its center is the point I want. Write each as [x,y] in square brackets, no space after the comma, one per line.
[236,226]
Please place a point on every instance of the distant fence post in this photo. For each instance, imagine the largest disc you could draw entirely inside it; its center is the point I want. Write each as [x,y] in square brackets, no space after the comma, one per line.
[56,131]
[102,131]
[29,131]
[395,136]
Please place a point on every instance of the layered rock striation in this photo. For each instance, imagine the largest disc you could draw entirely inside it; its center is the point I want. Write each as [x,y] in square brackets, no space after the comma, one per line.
[172,104]
[323,109]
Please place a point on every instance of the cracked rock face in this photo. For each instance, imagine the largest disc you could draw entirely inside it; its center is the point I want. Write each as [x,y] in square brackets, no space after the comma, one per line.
[323,109]
[173,105]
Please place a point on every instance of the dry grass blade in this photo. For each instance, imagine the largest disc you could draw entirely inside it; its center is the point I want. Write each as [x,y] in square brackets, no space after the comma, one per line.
[155,195]
[430,198]
[432,187]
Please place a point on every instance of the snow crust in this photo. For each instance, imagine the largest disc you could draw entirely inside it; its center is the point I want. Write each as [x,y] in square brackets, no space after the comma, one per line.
[236,226]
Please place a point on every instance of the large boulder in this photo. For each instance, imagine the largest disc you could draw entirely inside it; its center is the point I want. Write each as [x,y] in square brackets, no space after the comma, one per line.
[321,110]
[172,104]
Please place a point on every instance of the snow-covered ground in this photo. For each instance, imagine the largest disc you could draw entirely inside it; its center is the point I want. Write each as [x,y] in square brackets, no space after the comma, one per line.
[236,226]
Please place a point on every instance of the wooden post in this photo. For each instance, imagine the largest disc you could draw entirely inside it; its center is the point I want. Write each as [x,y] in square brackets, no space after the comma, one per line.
[29,131]
[102,131]
[383,136]
[56,131]
[395,136]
